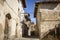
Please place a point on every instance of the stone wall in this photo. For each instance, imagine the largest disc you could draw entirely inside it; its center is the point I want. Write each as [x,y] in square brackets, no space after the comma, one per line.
[48,16]
[57,7]
[48,20]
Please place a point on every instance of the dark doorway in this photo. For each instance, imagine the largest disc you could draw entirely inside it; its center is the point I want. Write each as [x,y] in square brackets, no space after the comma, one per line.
[58,31]
[24,30]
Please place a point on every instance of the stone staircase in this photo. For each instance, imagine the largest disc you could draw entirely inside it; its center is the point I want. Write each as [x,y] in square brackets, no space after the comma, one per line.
[49,37]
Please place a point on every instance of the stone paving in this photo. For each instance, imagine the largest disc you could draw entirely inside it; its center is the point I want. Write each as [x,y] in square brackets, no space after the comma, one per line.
[27,39]
[49,37]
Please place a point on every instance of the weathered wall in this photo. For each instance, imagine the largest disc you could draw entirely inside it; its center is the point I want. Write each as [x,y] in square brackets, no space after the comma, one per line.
[11,6]
[21,18]
[49,14]
[2,20]
[12,21]
[57,7]
[49,19]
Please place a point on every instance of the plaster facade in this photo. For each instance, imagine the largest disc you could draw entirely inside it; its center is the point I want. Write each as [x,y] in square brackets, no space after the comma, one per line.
[14,8]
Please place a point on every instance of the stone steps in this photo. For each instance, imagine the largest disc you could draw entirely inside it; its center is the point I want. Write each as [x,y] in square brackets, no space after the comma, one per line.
[26,39]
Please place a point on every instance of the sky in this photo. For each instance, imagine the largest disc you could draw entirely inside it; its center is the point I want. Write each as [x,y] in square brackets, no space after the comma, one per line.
[30,9]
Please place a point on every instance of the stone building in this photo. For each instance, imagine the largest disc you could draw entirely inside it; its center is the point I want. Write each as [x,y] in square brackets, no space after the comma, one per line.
[47,15]
[32,29]
[10,25]
[31,26]
[26,23]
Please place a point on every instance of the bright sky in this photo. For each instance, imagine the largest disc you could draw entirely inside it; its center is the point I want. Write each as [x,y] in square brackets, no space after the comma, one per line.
[30,9]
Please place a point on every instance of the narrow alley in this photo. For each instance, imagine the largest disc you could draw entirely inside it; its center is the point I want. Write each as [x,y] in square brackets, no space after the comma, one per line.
[29,19]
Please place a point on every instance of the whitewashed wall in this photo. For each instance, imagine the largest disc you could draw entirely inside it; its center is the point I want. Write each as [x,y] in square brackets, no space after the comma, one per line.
[2,20]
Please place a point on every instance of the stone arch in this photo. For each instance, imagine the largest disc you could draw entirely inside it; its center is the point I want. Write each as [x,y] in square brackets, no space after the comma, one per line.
[6,30]
[8,16]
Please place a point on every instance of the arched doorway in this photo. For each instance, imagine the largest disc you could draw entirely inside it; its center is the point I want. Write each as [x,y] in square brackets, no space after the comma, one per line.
[6,30]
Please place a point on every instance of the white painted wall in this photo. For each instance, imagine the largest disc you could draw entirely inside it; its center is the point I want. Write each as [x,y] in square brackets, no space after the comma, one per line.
[12,28]
[14,5]
[11,6]
[2,20]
